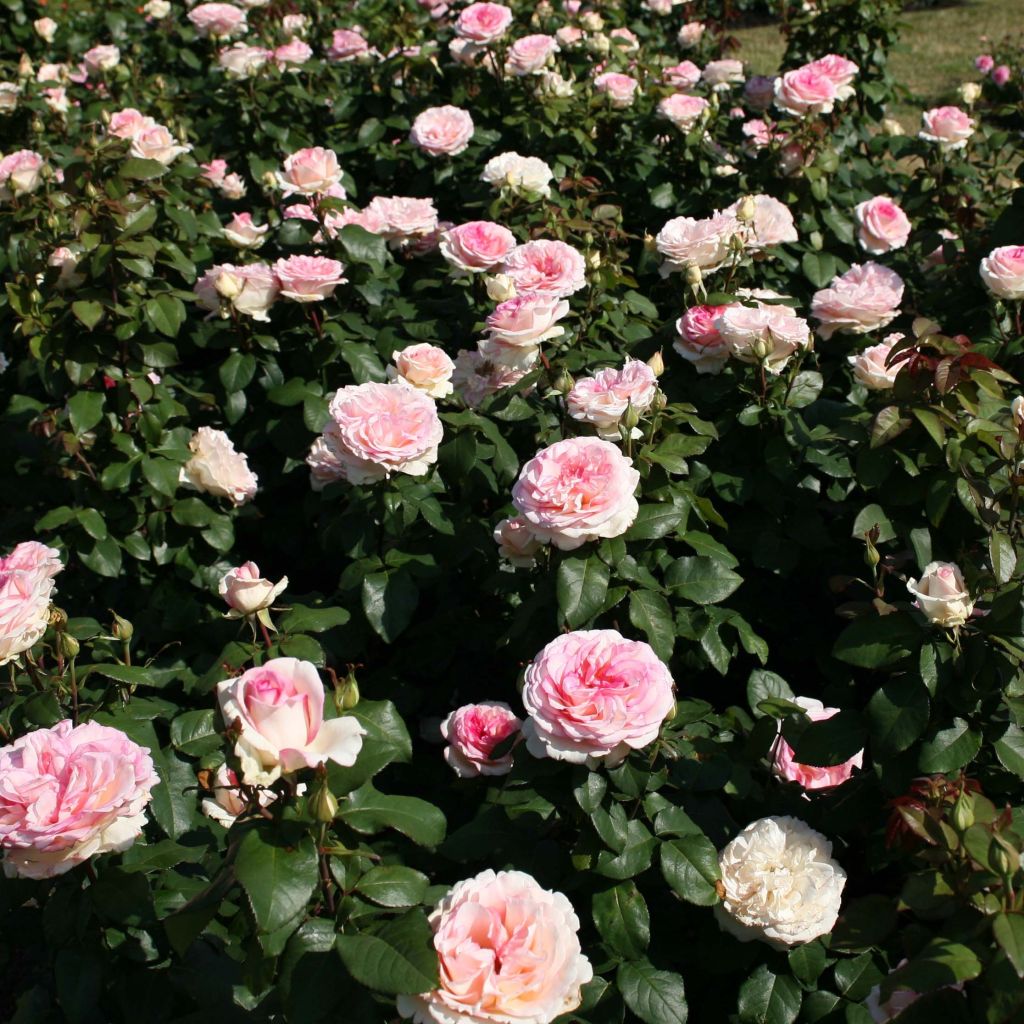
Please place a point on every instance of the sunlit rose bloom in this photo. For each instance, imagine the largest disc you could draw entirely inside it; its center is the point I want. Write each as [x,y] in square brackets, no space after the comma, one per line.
[20,172]
[9,93]
[213,172]
[881,225]
[552,84]
[864,299]
[662,6]
[871,368]
[403,217]
[473,732]
[442,131]
[243,61]
[483,23]
[682,110]
[705,242]
[787,768]
[1002,269]
[721,74]
[101,58]
[26,589]
[527,320]
[57,99]
[294,25]
[217,468]
[68,260]
[292,54]
[221,21]
[516,544]
[681,76]
[984,63]
[759,92]
[698,340]
[368,220]
[760,133]
[807,90]
[772,225]
[232,187]
[477,246]
[309,171]
[949,127]
[521,174]
[52,73]
[690,35]
[241,232]
[157,143]
[251,290]
[476,377]
[840,70]
[45,28]
[156,9]
[569,36]
[425,367]
[309,278]
[529,54]
[347,44]
[602,400]
[246,592]
[763,334]
[942,594]
[1001,75]
[549,267]
[620,89]
[623,40]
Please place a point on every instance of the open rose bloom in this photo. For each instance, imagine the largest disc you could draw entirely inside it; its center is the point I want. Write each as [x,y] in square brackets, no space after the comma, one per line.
[483,23]
[764,334]
[278,710]
[603,399]
[871,367]
[948,127]
[508,951]
[473,732]
[699,341]
[881,225]
[26,588]
[442,131]
[217,468]
[477,246]
[69,793]
[942,594]
[425,367]
[865,298]
[786,767]
[1002,270]
[552,268]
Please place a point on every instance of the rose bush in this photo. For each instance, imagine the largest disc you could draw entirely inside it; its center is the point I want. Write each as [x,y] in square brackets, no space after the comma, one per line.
[508,517]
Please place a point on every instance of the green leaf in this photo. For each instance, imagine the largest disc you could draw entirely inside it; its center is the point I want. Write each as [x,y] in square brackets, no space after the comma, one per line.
[135,675]
[398,959]
[165,314]
[1008,930]
[898,714]
[804,390]
[701,579]
[767,998]
[195,733]
[869,517]
[622,918]
[1009,748]
[690,866]
[385,740]
[237,371]
[389,600]
[950,749]
[941,962]
[369,811]
[582,585]
[878,641]
[1002,555]
[393,886]
[888,424]
[305,619]
[650,612]
[85,410]
[278,879]
[655,521]
[764,685]
[819,268]
[89,314]
[829,742]
[363,246]
[656,997]
[141,170]
[104,559]
[807,961]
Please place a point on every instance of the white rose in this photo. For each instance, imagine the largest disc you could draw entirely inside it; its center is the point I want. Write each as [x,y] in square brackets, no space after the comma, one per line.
[216,468]
[942,594]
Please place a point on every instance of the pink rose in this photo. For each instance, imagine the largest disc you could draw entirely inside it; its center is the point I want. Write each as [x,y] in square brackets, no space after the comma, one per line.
[1002,269]
[984,63]
[219,20]
[101,58]
[292,54]
[26,588]
[367,219]
[871,367]
[624,40]
[309,278]
[425,367]
[68,793]
[309,172]
[568,36]
[476,246]
[529,54]
[592,696]
[45,28]
[20,172]
[807,90]
[684,75]
[577,490]
[721,74]
[758,92]
[155,142]
[685,240]
[346,45]
[278,709]
[403,217]
[127,123]
[442,131]
[620,89]
[483,23]
[690,35]
[942,594]
[521,174]
[67,259]
[242,61]
[527,320]
[516,544]
[1001,75]
[682,110]
[881,225]
[507,950]
[216,468]
[809,776]
[772,224]
[376,430]
[950,127]
[763,334]
[840,70]
[472,732]
[552,268]
[213,172]
[698,340]
[760,133]
[602,400]
[246,592]
[864,299]
[260,289]
[241,232]
[476,376]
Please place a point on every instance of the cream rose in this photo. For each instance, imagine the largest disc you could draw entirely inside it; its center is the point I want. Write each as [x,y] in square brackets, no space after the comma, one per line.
[942,594]
[247,592]
[216,468]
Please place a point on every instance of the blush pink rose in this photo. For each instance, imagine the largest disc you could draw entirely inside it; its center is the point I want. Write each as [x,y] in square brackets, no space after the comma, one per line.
[127,123]
[507,951]
[552,268]
[864,299]
[278,712]
[682,110]
[698,340]
[425,367]
[704,242]
[602,400]
[773,224]
[101,58]
[242,61]
[949,127]
[376,430]
[690,34]
[841,71]
[226,802]
[527,320]
[807,90]
[347,44]
[483,23]
[155,142]
[477,376]
[984,63]
[26,588]
[219,20]
[942,594]
[577,490]
[21,172]
[592,696]
[881,225]
[213,172]
[721,74]
[292,54]
[871,367]
[442,131]
[684,75]
[530,54]
[309,278]
[1002,270]
[810,776]
[1001,75]
[472,732]
[476,246]
[217,468]
[516,544]
[404,217]
[242,233]
[763,334]
[620,89]
[68,793]
[309,172]
[246,592]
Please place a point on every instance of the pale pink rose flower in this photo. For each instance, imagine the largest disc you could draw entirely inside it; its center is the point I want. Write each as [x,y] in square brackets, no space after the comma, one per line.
[773,224]
[442,131]
[1001,75]
[602,400]
[52,73]
[294,25]
[45,28]
[278,709]
[871,368]
[155,142]
[246,592]
[242,61]
[476,246]
[881,225]
[984,63]
[569,36]
[690,35]
[760,133]
[260,289]
[217,468]
[577,490]
[347,44]
[624,40]
[807,90]
[483,23]
[942,594]
[292,54]
[68,260]
[226,803]
[759,92]
[26,588]
[698,340]
[425,367]
[620,89]
[57,99]
[810,777]
[213,172]
[763,334]
[403,217]
[516,544]
[477,376]
[368,220]
[864,299]
[705,242]
[529,54]
[472,732]
[662,7]
[309,172]
[1002,269]
[521,174]
[937,257]
[376,430]
[507,950]
[592,696]
[722,74]
[68,793]
[527,320]
[127,123]
[682,110]
[552,268]
[101,58]
[222,21]
[241,232]
[684,75]
[309,278]
[20,172]
[840,70]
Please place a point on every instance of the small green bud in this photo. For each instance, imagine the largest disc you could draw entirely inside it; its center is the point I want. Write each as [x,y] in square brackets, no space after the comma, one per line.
[323,804]
[630,418]
[346,695]
[563,382]
[963,812]
[68,645]
[122,628]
